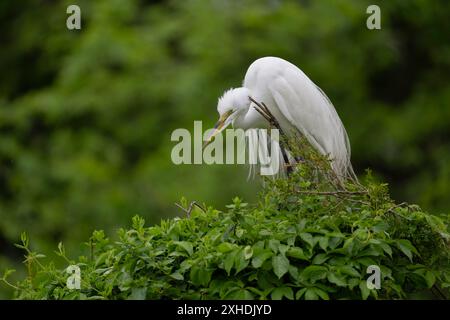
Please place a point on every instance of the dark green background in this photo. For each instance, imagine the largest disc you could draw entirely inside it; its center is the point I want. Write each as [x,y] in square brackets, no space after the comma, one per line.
[86,115]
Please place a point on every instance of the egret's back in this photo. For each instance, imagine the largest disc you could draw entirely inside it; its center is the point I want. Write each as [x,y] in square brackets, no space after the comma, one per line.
[298,104]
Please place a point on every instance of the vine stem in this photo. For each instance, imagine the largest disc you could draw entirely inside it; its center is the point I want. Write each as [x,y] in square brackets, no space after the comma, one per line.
[9,284]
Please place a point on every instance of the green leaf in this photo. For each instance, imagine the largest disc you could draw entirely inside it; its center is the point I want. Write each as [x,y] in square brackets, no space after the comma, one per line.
[253,276]
[297,252]
[314,273]
[258,246]
[380,227]
[138,294]
[225,247]
[366,261]
[321,293]
[371,251]
[314,294]
[61,249]
[279,293]
[200,276]
[239,294]
[301,225]
[259,259]
[240,263]
[265,233]
[239,232]
[353,282]
[337,279]
[430,278]
[265,280]
[365,291]
[293,272]
[320,258]
[308,238]
[300,293]
[311,294]
[333,242]
[225,287]
[282,248]
[248,252]
[229,261]
[256,291]
[273,245]
[383,245]
[406,247]
[323,243]
[349,245]
[24,238]
[187,246]
[348,270]
[386,248]
[291,241]
[280,265]
[177,276]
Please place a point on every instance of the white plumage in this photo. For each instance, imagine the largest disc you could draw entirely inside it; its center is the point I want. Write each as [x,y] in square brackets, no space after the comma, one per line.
[297,104]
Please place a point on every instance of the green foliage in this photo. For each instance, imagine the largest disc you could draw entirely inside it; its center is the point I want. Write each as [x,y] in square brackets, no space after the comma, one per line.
[293,244]
[86,116]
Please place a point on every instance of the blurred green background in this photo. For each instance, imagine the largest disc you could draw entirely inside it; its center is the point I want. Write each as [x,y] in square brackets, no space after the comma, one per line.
[86,115]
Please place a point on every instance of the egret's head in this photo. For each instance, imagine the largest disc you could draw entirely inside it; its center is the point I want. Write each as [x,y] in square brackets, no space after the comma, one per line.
[232,104]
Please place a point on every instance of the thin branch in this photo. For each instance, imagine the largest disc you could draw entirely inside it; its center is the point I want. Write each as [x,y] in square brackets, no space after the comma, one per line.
[358,201]
[9,283]
[332,193]
[339,202]
[391,209]
[264,111]
[189,209]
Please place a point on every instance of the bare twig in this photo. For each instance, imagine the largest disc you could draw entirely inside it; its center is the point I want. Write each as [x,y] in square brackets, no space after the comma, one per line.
[391,209]
[189,209]
[332,193]
[357,201]
[264,111]
[339,202]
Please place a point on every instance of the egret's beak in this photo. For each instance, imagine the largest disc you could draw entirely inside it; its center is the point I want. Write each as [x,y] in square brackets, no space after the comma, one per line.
[224,121]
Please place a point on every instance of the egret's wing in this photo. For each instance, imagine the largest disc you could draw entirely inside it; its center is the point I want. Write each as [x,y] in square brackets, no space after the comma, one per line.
[305,106]
[285,97]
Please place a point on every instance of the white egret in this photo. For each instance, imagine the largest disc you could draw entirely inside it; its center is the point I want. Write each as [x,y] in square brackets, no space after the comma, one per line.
[295,102]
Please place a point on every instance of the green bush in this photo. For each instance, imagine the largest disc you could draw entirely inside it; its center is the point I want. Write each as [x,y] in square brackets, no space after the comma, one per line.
[86,116]
[304,239]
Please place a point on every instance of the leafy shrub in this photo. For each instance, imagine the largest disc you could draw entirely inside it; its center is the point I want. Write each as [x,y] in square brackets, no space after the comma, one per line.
[299,241]
[91,112]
